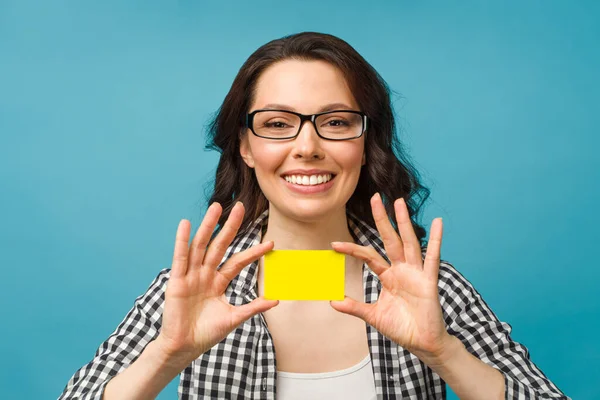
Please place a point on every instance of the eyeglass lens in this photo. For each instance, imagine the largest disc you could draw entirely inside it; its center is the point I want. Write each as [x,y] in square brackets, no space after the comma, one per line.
[281,124]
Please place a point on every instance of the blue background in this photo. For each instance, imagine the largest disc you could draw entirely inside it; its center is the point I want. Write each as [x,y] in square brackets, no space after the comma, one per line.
[103,107]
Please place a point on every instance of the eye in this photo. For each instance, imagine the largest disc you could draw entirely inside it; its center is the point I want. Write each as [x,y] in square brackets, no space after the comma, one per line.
[276,124]
[337,122]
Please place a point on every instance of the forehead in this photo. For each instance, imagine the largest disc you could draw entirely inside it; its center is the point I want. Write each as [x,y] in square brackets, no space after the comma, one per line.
[303,86]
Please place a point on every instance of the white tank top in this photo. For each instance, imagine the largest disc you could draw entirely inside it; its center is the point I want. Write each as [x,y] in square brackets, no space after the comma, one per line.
[354,383]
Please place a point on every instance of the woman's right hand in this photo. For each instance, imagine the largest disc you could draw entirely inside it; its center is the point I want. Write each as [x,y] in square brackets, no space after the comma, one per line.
[196,313]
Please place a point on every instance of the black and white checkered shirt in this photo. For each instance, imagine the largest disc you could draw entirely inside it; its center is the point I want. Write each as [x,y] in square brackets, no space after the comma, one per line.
[242,366]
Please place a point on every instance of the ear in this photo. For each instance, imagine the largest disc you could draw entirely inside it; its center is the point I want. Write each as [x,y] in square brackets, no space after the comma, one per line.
[245,151]
[364,159]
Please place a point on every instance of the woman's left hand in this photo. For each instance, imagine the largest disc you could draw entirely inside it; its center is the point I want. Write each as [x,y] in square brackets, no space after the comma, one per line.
[408,310]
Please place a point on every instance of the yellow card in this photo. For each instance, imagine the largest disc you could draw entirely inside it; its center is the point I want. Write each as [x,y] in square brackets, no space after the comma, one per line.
[304,275]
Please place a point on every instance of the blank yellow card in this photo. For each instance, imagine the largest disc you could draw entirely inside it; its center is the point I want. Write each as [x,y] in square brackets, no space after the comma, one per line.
[304,275]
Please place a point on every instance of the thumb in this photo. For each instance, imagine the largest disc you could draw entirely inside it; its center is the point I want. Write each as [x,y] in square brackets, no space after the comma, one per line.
[353,307]
[247,311]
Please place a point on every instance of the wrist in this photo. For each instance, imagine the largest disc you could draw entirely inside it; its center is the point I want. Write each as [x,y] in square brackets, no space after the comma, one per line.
[451,349]
[464,373]
[168,357]
[148,375]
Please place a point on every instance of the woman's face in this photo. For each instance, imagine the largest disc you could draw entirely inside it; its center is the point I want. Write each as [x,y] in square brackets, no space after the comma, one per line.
[307,87]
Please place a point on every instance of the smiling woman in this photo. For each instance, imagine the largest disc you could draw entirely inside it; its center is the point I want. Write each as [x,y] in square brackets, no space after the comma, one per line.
[309,87]
[310,160]
[277,77]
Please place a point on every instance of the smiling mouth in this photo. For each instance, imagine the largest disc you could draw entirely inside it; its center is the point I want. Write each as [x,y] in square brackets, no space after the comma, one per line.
[308,180]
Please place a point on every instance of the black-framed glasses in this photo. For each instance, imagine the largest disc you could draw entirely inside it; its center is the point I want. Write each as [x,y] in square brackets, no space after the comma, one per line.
[330,125]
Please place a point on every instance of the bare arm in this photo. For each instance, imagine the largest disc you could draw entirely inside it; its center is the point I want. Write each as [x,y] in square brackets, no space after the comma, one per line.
[468,376]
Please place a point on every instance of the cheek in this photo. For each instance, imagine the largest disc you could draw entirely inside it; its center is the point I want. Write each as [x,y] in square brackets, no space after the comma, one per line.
[268,156]
[349,157]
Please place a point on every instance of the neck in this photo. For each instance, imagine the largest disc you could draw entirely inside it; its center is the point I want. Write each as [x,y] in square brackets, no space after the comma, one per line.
[293,234]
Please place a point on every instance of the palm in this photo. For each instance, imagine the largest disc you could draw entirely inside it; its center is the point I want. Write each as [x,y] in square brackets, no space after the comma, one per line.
[408,309]
[203,318]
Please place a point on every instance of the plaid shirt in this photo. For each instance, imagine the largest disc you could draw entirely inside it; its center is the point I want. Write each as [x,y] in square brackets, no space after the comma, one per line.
[242,366]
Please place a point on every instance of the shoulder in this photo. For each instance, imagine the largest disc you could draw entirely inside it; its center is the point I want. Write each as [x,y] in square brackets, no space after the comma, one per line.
[161,279]
[459,298]
[151,301]
[451,279]
[451,282]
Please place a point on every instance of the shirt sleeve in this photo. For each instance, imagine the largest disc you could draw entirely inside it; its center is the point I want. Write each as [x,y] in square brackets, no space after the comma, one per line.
[469,318]
[140,326]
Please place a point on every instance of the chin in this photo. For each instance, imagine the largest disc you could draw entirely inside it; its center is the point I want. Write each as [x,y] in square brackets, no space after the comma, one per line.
[309,211]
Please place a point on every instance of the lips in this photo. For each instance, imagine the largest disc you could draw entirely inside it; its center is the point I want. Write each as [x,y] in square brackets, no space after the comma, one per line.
[308,181]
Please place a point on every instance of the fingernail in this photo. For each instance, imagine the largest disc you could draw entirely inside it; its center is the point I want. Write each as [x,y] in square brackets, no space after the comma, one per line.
[335,243]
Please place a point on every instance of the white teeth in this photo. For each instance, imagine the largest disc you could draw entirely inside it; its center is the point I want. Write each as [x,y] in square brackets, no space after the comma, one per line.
[306,180]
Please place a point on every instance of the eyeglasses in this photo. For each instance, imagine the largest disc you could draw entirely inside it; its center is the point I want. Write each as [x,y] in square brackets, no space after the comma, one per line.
[330,125]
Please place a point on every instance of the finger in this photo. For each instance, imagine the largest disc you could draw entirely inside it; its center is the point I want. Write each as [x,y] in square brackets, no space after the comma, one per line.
[434,247]
[412,249]
[247,311]
[202,237]
[239,261]
[391,241]
[350,306]
[180,254]
[368,254]
[218,247]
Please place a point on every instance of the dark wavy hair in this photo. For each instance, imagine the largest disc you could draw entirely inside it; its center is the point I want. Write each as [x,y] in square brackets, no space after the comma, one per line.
[387,170]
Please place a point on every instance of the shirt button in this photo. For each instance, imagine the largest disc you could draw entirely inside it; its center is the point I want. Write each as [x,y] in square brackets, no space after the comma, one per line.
[264,384]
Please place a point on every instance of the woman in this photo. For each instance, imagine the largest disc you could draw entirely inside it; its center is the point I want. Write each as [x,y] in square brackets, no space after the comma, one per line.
[307,140]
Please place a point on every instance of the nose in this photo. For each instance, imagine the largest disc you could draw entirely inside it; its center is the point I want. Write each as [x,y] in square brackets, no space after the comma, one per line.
[307,144]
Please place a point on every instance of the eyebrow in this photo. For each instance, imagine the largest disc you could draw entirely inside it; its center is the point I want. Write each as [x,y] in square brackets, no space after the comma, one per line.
[328,107]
